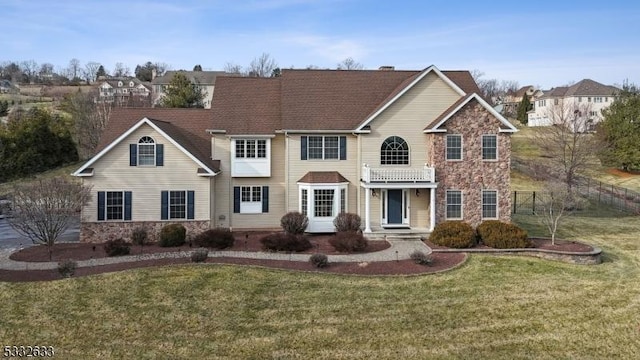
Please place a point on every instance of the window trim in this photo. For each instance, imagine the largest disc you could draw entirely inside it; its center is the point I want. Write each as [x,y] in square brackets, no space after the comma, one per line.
[102,205]
[324,147]
[106,205]
[245,149]
[482,204]
[446,201]
[446,147]
[140,144]
[482,137]
[337,188]
[169,204]
[251,206]
[408,150]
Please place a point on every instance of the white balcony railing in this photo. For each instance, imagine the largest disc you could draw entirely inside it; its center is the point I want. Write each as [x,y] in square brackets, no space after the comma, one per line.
[409,175]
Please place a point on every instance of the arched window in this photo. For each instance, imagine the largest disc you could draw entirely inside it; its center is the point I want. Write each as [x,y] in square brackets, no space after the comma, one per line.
[146,151]
[394,151]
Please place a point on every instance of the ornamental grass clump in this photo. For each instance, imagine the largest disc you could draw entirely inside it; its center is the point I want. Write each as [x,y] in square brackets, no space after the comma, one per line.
[421,258]
[319,260]
[453,234]
[67,268]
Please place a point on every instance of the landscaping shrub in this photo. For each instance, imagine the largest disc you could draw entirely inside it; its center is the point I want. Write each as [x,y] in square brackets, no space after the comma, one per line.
[501,235]
[218,238]
[67,268]
[319,260]
[294,222]
[199,255]
[285,242]
[348,241]
[139,236]
[116,247]
[421,258]
[347,222]
[172,235]
[453,234]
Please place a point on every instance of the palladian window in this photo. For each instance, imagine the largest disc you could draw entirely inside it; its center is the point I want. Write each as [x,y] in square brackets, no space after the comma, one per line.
[394,151]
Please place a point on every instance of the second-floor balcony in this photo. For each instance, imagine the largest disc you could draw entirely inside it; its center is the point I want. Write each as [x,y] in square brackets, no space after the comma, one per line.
[398,175]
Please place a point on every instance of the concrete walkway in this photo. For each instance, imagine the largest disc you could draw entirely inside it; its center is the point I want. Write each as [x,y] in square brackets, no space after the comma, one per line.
[399,250]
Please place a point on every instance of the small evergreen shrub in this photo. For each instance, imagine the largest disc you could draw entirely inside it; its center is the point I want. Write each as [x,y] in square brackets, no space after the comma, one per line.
[319,260]
[218,238]
[349,241]
[421,258]
[116,247]
[347,222]
[285,242]
[199,255]
[501,235]
[294,222]
[172,235]
[139,236]
[67,268]
[453,234]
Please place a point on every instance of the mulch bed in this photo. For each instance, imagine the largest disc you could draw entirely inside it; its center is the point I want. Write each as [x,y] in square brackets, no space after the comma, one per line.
[538,243]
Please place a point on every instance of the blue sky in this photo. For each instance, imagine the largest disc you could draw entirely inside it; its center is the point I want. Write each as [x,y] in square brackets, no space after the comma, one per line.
[545,43]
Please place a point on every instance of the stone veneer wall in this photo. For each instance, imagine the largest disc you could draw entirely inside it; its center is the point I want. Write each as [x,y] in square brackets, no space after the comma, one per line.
[99,232]
[472,174]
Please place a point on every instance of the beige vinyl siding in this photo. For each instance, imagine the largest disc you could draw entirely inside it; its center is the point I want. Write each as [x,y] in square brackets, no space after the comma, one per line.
[298,168]
[113,173]
[220,144]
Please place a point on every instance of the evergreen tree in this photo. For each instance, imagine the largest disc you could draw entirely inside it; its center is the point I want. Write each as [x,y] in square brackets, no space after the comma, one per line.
[101,72]
[620,130]
[197,68]
[523,108]
[181,93]
[4,107]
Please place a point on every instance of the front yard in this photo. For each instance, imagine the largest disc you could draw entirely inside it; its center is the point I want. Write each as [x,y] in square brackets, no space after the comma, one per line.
[491,307]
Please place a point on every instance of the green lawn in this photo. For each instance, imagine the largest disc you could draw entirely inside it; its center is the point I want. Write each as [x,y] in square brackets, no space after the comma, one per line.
[492,307]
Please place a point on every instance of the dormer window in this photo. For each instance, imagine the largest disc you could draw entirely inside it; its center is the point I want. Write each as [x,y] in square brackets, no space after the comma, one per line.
[119,83]
[146,151]
[131,84]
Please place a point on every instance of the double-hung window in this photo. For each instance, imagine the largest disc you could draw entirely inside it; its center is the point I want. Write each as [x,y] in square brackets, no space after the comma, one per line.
[454,147]
[489,147]
[177,205]
[114,205]
[250,199]
[489,204]
[326,147]
[146,152]
[251,149]
[454,204]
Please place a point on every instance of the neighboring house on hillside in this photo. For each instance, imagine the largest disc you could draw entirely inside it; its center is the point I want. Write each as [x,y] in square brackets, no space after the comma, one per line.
[124,91]
[403,149]
[6,86]
[585,100]
[204,79]
[513,99]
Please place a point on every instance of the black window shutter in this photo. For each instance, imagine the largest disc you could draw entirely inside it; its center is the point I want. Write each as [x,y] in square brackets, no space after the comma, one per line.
[133,154]
[303,147]
[265,199]
[343,148]
[164,206]
[236,199]
[101,205]
[190,204]
[159,155]
[127,205]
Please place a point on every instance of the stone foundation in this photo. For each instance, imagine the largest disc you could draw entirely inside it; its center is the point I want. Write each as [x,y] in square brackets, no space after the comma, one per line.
[99,232]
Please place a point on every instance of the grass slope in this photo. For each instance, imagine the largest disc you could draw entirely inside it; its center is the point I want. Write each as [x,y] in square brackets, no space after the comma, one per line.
[492,307]
[64,171]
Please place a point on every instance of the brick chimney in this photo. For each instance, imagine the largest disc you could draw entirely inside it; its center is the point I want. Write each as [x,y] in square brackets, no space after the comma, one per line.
[386,68]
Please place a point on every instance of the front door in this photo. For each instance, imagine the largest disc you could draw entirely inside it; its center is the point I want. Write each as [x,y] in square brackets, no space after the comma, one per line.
[395,206]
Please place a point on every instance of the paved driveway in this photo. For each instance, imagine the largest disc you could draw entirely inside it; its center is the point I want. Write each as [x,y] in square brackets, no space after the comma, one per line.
[9,239]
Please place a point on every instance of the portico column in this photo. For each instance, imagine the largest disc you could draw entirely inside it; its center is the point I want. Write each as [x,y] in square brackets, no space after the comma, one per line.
[367,211]
[432,208]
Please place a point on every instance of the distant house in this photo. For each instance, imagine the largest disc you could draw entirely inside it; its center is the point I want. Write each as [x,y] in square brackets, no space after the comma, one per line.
[403,149]
[5,86]
[513,99]
[128,91]
[204,79]
[585,100]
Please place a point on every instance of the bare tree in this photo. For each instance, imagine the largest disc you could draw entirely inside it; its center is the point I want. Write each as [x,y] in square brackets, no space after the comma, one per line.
[567,148]
[89,118]
[161,68]
[556,203]
[43,210]
[30,69]
[46,71]
[262,66]
[90,71]
[74,69]
[350,64]
[233,68]
[121,70]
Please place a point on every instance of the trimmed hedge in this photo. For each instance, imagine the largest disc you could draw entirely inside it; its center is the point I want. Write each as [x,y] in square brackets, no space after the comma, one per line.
[172,235]
[219,238]
[453,234]
[116,247]
[349,241]
[501,235]
[285,242]
[347,222]
[294,223]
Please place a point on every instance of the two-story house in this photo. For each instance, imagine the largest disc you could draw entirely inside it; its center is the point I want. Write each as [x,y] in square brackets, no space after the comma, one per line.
[404,149]
[124,91]
[586,99]
[205,80]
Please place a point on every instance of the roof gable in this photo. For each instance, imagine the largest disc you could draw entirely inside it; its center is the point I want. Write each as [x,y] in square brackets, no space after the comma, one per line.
[458,105]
